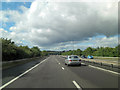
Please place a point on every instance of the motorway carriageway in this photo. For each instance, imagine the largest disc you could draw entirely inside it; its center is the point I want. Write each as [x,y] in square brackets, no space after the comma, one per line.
[53,73]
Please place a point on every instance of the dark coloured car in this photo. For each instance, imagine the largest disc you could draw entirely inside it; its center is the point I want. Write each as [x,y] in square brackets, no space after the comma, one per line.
[83,56]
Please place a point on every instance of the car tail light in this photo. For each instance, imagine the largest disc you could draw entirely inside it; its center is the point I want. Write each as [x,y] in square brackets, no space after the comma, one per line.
[70,60]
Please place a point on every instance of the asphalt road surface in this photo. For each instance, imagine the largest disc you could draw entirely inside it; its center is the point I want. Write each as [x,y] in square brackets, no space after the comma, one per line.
[53,73]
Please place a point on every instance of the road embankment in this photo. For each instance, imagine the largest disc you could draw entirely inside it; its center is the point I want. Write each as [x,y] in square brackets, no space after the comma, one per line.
[106,61]
[106,58]
[13,63]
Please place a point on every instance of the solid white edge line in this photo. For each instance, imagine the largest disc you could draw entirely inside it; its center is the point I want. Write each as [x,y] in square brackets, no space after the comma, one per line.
[63,68]
[104,69]
[77,86]
[21,75]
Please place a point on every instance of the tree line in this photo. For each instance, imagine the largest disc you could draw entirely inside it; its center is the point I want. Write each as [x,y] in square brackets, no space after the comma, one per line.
[11,51]
[99,51]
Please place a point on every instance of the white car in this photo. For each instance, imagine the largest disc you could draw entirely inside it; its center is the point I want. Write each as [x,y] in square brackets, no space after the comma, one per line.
[72,60]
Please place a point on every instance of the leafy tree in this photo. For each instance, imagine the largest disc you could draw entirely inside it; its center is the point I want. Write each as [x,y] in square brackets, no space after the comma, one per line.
[88,51]
[99,51]
[117,50]
[36,51]
[44,53]
[79,52]
[10,51]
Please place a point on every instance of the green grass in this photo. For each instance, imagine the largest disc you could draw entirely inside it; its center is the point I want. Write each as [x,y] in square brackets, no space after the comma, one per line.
[106,58]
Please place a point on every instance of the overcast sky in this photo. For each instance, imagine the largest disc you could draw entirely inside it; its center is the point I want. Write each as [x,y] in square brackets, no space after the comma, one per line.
[60,25]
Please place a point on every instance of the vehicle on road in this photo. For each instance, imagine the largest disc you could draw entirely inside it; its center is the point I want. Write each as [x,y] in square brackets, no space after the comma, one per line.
[72,60]
[90,57]
[83,56]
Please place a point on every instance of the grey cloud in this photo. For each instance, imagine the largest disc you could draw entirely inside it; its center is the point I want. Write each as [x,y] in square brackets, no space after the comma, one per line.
[49,24]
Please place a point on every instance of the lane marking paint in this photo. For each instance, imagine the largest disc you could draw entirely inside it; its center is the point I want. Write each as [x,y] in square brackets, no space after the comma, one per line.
[77,86]
[21,75]
[63,68]
[83,63]
[57,61]
[104,69]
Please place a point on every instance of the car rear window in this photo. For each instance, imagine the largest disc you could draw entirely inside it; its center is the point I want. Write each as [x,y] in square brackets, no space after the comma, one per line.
[75,56]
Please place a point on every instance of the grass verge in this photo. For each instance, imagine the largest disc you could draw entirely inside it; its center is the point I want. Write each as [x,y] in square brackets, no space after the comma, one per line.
[106,58]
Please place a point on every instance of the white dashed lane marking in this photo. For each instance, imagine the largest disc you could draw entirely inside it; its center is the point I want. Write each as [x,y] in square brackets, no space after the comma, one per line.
[77,86]
[63,68]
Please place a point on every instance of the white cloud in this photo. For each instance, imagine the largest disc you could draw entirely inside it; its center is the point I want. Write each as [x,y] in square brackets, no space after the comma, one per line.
[3,18]
[12,28]
[49,24]
[10,16]
[104,42]
[3,33]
